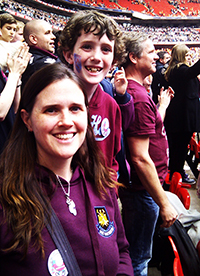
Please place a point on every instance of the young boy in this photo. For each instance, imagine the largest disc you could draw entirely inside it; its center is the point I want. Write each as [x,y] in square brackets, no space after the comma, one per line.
[8,25]
[91,43]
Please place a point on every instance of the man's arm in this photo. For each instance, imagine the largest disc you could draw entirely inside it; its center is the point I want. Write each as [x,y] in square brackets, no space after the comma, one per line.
[146,170]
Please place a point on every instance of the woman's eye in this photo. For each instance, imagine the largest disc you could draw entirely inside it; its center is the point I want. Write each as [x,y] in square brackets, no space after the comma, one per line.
[50,110]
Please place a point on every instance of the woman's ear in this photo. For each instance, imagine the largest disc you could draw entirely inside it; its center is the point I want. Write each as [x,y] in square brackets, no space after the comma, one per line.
[68,55]
[26,119]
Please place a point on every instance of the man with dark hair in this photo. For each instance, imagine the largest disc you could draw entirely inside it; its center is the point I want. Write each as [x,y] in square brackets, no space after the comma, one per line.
[158,77]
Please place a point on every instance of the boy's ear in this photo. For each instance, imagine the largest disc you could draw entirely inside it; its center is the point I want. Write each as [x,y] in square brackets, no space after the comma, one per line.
[68,55]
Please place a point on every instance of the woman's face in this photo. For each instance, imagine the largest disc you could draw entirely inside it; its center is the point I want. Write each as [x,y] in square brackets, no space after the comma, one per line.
[58,121]
[188,57]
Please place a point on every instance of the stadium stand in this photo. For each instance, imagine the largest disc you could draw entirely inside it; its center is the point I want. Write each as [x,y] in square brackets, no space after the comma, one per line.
[165,32]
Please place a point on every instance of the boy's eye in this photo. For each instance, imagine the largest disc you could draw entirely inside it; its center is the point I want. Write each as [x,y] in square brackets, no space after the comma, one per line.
[75,108]
[106,49]
[86,47]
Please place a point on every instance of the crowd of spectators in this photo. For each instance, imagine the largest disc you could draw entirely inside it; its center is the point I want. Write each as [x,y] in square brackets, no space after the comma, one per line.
[58,21]
[157,34]
[167,34]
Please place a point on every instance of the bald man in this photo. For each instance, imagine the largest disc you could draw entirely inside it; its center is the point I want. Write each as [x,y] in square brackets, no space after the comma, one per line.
[39,36]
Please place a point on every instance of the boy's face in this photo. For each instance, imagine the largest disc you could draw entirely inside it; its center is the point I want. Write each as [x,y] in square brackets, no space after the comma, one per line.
[92,57]
[8,32]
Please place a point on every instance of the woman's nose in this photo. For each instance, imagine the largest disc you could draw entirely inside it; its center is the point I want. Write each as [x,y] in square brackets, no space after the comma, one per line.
[65,119]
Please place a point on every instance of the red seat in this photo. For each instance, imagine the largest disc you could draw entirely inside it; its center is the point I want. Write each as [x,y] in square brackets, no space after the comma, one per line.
[176,182]
[194,146]
[184,196]
[177,267]
[176,187]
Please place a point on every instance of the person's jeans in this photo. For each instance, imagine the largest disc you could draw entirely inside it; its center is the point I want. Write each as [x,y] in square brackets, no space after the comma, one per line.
[140,214]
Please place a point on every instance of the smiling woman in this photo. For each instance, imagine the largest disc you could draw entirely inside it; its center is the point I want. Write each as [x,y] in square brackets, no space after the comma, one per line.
[59,124]
[52,162]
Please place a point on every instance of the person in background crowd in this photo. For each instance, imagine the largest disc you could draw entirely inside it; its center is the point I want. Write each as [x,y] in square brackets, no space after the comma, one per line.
[52,156]
[164,96]
[91,43]
[39,36]
[10,91]
[147,148]
[8,25]
[147,84]
[158,77]
[19,32]
[183,114]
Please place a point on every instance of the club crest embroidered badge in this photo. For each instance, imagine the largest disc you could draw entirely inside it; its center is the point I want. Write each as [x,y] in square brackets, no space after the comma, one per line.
[104,226]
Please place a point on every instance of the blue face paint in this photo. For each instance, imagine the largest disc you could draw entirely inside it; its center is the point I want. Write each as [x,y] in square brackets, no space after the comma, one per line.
[77,63]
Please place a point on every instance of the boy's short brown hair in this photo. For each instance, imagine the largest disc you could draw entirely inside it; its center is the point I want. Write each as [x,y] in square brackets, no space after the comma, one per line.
[95,22]
[6,18]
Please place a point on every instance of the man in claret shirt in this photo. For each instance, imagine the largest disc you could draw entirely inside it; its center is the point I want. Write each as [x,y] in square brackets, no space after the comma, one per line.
[147,155]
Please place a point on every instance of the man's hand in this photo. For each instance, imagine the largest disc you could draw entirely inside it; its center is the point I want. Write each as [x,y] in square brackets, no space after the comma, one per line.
[168,215]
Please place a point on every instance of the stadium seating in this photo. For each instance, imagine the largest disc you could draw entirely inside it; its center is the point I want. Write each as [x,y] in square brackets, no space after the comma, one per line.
[193,157]
[162,8]
[108,4]
[177,187]
[127,4]
[177,268]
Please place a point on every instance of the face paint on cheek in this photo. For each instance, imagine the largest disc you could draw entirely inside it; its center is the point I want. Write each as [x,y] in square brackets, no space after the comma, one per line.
[77,63]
